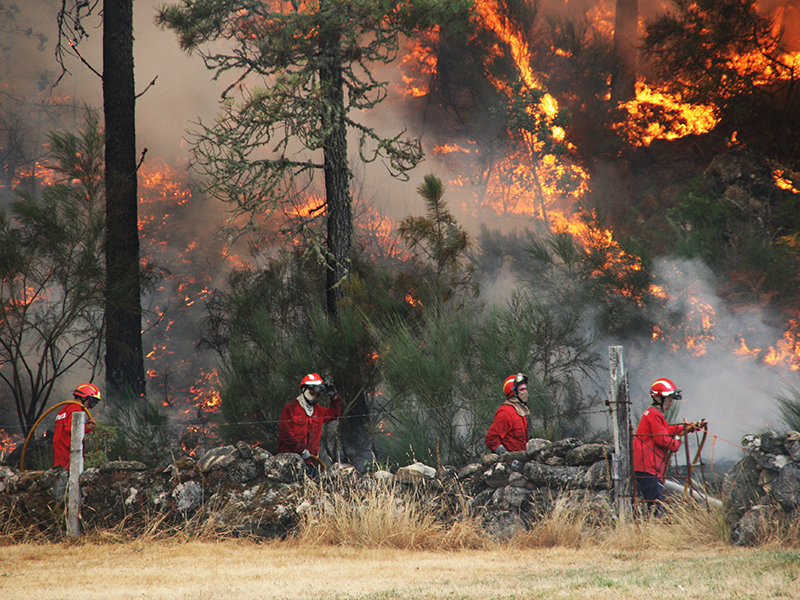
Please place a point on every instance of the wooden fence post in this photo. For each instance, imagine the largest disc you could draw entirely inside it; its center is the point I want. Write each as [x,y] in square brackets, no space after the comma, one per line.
[622,472]
[75,470]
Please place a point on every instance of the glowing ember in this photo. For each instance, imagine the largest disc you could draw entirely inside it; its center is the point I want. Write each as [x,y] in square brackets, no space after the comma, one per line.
[784,182]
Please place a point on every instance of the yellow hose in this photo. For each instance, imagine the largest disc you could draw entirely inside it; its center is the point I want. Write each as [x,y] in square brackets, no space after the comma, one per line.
[39,420]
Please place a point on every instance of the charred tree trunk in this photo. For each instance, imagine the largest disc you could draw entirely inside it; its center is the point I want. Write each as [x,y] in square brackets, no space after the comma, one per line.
[626,18]
[124,359]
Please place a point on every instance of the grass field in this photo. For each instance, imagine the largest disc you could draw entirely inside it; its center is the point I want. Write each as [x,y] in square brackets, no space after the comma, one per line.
[287,570]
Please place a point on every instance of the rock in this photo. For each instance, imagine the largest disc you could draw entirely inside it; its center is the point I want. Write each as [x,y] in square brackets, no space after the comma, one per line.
[510,498]
[516,479]
[503,525]
[587,454]
[590,507]
[244,471]
[188,496]
[553,476]
[244,449]
[598,476]
[535,445]
[123,465]
[785,488]
[470,471]
[285,468]
[772,442]
[775,462]
[497,475]
[747,530]
[217,458]
[490,459]
[415,473]
[382,476]
[792,445]
[558,450]
[740,487]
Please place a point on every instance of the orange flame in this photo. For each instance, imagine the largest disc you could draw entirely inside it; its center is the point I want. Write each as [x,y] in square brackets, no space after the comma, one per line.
[657,114]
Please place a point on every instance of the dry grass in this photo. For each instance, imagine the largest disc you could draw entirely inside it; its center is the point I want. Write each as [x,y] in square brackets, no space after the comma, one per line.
[393,545]
[246,570]
[383,517]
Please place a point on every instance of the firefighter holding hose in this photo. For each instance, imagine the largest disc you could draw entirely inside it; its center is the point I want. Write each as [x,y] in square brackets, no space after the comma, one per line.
[300,425]
[655,439]
[85,395]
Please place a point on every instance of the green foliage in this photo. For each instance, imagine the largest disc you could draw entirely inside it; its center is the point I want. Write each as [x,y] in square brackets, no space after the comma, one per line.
[309,67]
[52,274]
[597,277]
[139,430]
[752,250]
[438,245]
[553,348]
[269,329]
[789,406]
[428,408]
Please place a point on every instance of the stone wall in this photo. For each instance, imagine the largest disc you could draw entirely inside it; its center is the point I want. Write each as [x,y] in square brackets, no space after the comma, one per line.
[240,490]
[762,490]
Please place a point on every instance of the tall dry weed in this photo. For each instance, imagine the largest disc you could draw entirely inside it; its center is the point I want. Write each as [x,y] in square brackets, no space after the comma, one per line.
[683,525]
[384,515]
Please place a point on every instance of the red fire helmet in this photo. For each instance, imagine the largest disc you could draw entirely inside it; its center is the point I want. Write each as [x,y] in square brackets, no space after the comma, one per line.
[664,387]
[511,383]
[311,379]
[87,390]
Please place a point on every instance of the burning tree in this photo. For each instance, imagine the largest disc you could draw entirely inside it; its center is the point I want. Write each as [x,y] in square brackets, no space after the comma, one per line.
[730,54]
[51,282]
[303,70]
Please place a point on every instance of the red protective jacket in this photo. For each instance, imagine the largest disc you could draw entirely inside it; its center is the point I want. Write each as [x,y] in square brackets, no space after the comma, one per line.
[654,440]
[508,428]
[297,431]
[62,434]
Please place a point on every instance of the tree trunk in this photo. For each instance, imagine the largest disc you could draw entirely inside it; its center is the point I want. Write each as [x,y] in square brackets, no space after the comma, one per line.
[337,174]
[124,359]
[340,224]
[623,83]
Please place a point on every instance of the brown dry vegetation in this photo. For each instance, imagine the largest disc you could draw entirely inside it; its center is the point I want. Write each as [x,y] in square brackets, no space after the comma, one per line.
[388,546]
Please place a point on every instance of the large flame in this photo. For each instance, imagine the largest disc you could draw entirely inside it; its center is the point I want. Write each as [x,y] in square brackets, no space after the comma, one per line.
[657,114]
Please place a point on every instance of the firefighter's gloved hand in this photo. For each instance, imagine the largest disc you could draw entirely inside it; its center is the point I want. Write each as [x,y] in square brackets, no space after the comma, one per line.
[90,426]
[500,449]
[305,455]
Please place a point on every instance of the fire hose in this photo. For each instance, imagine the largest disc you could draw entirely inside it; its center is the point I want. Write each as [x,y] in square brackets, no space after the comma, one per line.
[319,461]
[39,420]
[688,488]
[673,485]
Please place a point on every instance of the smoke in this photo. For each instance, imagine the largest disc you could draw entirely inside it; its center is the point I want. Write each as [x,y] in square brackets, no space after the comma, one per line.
[735,394]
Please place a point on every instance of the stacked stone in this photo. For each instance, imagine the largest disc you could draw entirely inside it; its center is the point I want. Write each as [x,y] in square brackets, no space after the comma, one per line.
[764,486]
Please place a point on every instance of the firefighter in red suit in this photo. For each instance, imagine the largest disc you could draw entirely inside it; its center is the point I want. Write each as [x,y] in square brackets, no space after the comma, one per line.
[655,439]
[300,426]
[88,395]
[509,430]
